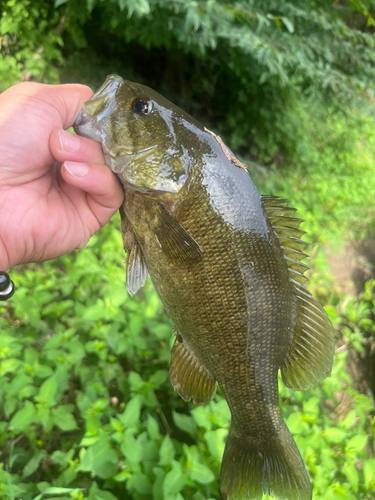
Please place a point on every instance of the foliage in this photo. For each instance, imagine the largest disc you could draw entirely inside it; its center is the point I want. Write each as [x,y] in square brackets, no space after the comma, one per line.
[259,55]
[358,315]
[88,412]
[256,54]
[330,179]
[29,48]
[86,407]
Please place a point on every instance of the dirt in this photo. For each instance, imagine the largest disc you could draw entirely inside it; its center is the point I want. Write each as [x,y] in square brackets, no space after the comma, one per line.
[353,265]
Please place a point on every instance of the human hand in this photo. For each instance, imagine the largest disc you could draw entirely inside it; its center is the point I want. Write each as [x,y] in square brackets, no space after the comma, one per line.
[55,190]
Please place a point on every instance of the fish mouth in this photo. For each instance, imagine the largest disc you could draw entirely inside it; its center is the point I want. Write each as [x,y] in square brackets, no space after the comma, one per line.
[86,125]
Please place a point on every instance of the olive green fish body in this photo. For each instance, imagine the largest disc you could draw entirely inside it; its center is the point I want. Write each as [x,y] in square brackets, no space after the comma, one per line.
[239,307]
[225,262]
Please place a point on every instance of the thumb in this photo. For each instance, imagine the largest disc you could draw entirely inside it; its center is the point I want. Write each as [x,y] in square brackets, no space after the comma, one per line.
[64,102]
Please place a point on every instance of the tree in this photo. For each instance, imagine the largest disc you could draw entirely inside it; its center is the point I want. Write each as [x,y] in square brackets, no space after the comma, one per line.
[238,63]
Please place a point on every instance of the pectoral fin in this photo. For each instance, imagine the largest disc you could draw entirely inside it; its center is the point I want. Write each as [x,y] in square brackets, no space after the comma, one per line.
[136,270]
[189,376]
[127,232]
[173,239]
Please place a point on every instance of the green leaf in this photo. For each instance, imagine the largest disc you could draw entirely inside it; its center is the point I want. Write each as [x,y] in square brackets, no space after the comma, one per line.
[289,25]
[33,463]
[216,442]
[63,418]
[135,381]
[335,435]
[97,494]
[98,455]
[349,420]
[202,416]
[9,365]
[53,490]
[47,392]
[311,406]
[132,449]
[24,417]
[157,487]
[201,473]
[184,422]
[174,481]
[95,312]
[90,4]
[369,473]
[45,417]
[59,2]
[351,472]
[42,371]
[153,428]
[132,412]
[159,377]
[140,483]
[356,443]
[166,451]
[296,423]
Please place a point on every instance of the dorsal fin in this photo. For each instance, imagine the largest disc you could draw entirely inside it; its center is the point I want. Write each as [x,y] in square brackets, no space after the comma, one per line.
[310,356]
[287,230]
[309,359]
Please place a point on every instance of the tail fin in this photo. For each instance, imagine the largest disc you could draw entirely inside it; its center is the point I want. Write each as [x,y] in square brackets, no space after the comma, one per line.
[251,468]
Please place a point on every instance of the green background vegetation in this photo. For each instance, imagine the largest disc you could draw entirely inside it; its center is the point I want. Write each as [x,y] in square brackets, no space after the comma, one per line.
[86,407]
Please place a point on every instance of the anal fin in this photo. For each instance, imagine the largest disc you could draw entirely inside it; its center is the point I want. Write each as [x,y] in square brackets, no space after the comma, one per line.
[188,375]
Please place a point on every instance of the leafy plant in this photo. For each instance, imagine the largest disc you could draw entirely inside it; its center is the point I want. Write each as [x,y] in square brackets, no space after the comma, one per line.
[88,412]
[30,46]
[86,407]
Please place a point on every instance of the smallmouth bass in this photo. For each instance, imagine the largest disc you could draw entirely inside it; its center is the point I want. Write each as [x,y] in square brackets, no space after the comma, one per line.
[226,263]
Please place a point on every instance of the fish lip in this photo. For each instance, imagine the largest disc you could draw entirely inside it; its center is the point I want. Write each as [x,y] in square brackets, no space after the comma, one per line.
[82,118]
[85,125]
[77,121]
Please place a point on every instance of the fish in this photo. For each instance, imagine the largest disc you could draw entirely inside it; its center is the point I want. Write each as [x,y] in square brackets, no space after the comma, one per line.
[226,263]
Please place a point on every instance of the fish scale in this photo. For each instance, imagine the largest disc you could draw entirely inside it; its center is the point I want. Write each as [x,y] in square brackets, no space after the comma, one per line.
[226,264]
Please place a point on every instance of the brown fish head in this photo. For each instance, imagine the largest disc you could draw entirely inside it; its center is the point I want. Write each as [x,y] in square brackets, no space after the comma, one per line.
[148,141]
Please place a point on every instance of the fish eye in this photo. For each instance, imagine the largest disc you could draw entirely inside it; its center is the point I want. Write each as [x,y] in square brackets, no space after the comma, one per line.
[141,107]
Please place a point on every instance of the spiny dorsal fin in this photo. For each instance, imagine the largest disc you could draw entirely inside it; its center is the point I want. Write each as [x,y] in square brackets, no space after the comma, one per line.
[274,201]
[309,359]
[287,230]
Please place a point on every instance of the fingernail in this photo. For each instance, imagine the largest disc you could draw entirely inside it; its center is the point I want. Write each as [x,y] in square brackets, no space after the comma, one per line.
[69,143]
[77,169]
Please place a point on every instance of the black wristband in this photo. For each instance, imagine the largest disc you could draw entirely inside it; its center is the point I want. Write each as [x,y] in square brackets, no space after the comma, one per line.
[6,286]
